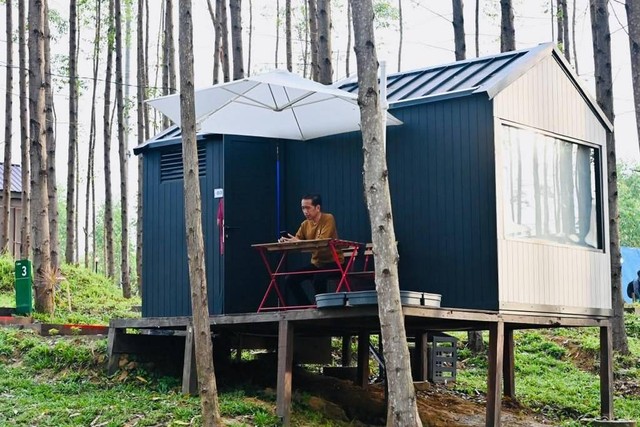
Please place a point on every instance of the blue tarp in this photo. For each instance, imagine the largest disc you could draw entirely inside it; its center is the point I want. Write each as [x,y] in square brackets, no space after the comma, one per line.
[630,267]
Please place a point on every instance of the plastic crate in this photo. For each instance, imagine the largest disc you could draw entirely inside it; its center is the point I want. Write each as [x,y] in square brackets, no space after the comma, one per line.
[443,358]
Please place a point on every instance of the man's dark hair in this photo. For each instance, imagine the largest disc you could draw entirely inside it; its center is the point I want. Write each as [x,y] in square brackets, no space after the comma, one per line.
[316,199]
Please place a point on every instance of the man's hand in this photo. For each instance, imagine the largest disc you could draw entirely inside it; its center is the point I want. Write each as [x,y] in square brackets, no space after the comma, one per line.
[288,238]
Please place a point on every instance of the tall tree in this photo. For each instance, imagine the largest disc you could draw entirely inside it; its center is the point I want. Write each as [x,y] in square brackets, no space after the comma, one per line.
[633,20]
[458,30]
[348,50]
[573,37]
[25,141]
[193,222]
[402,407]
[141,84]
[73,134]
[250,38]
[50,124]
[216,42]
[604,95]
[106,131]
[235,12]
[221,9]
[287,32]
[275,60]
[401,34]
[507,28]
[123,156]
[8,120]
[477,35]
[566,42]
[325,61]
[39,202]
[313,38]
[89,229]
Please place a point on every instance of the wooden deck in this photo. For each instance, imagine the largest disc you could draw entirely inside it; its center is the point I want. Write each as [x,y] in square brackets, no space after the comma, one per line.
[156,335]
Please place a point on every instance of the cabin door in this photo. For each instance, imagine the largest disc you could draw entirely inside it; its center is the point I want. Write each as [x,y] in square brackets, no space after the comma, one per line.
[250,217]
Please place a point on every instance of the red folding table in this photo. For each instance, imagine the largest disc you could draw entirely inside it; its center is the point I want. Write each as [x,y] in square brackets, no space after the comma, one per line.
[335,246]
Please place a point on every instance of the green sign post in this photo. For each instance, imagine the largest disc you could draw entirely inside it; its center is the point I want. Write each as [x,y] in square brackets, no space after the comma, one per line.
[24,286]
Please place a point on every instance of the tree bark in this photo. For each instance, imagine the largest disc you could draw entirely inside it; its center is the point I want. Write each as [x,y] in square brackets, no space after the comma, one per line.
[89,229]
[39,206]
[402,408]
[604,96]
[401,34]
[108,200]
[287,31]
[507,29]
[325,62]
[458,30]
[275,56]
[50,122]
[25,141]
[235,12]
[141,82]
[573,37]
[73,135]
[477,35]
[193,221]
[313,38]
[348,54]
[171,48]
[8,120]
[566,42]
[216,42]
[123,155]
[250,38]
[224,32]
[633,20]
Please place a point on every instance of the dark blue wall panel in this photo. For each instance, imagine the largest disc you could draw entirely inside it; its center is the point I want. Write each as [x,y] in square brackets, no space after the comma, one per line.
[441,166]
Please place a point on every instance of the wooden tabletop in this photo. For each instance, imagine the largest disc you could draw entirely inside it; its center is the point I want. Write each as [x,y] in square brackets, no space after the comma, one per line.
[303,245]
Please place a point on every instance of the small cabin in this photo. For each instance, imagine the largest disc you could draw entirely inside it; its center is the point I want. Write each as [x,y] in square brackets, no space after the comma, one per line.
[498,186]
[15,207]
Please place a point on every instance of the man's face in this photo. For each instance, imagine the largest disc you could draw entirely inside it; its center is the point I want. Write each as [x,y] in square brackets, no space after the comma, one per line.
[310,212]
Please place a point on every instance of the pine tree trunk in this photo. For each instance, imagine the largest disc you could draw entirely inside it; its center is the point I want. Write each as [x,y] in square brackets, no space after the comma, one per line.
[325,62]
[193,222]
[477,35]
[401,35]
[507,29]
[402,408]
[235,11]
[25,141]
[90,230]
[39,202]
[224,32]
[140,95]
[108,200]
[573,37]
[171,47]
[52,189]
[216,43]
[348,55]
[633,19]
[275,60]
[566,42]
[122,151]
[250,38]
[458,30]
[73,135]
[287,32]
[604,95]
[313,38]
[8,120]
[559,26]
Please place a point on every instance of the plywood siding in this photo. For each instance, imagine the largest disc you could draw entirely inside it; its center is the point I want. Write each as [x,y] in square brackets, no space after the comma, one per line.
[545,98]
[567,280]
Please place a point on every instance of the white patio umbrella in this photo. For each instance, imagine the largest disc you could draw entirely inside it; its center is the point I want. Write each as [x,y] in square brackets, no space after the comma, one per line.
[277,104]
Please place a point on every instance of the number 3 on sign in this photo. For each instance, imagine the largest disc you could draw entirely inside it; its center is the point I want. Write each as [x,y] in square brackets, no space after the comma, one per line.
[24,271]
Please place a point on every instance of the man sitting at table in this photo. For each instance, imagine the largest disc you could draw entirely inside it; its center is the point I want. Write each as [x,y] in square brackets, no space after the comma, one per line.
[317,225]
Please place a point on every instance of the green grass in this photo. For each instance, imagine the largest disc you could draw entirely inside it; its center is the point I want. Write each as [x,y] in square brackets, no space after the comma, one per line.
[82,297]
[549,382]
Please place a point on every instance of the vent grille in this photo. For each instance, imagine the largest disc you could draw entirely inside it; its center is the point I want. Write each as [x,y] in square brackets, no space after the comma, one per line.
[172,168]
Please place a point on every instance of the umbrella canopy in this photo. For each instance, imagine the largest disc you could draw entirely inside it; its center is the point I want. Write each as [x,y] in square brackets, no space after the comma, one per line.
[277,104]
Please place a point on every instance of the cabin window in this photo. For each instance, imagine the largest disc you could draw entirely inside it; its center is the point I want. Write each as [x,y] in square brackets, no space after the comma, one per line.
[551,189]
[171,167]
